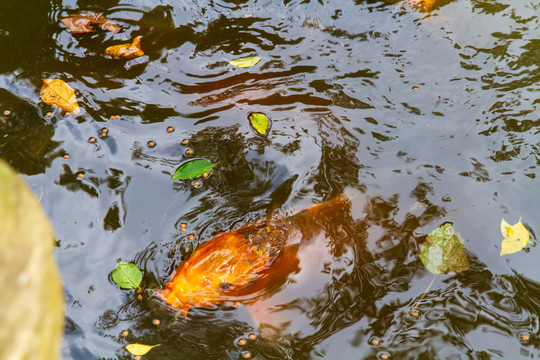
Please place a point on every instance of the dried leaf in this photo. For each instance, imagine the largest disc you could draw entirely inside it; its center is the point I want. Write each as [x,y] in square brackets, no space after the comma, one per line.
[193,169]
[245,62]
[516,237]
[56,92]
[140,349]
[259,122]
[444,252]
[127,275]
[127,51]
[85,23]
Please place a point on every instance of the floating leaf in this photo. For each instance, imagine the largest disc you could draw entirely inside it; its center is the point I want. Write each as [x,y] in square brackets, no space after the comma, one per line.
[516,237]
[259,122]
[127,275]
[127,51]
[193,169]
[245,62]
[57,92]
[140,349]
[444,252]
[85,23]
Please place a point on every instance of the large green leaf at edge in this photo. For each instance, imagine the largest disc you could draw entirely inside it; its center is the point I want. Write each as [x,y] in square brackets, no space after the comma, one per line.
[127,275]
[192,169]
[444,252]
[259,122]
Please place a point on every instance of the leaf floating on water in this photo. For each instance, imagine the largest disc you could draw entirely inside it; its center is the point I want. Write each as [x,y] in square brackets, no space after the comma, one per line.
[193,169]
[127,51]
[516,237]
[444,252]
[245,62]
[423,5]
[127,275]
[56,92]
[259,122]
[85,23]
[140,349]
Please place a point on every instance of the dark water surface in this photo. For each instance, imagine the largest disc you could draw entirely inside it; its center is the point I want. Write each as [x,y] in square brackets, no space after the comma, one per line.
[433,117]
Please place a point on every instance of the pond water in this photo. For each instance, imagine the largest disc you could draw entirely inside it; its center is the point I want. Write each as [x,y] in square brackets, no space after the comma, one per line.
[431,117]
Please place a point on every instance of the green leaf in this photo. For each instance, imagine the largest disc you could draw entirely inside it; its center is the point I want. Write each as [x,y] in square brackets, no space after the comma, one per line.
[140,349]
[245,62]
[259,122]
[193,169]
[516,237]
[444,252]
[127,275]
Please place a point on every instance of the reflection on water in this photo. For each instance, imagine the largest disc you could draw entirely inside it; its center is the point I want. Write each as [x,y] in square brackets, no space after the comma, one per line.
[431,115]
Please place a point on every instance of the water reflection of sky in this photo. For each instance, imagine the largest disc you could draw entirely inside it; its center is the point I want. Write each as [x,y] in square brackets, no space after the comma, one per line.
[431,116]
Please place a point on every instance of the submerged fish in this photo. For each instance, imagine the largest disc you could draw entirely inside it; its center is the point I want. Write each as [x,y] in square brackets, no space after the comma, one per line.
[245,264]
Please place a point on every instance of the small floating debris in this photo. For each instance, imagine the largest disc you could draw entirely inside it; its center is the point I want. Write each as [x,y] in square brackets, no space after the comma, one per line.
[151,144]
[170,129]
[91,140]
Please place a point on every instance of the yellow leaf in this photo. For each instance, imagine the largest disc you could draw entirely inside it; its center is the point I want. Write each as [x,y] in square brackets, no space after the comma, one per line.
[245,62]
[56,92]
[127,51]
[140,349]
[516,235]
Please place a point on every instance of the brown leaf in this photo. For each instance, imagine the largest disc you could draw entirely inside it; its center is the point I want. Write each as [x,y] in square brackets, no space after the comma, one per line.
[127,51]
[85,23]
[56,92]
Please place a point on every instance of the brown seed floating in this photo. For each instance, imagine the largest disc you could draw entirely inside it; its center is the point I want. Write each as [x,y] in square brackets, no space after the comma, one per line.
[252,336]
[205,175]
[92,140]
[197,184]
[124,333]
[7,112]
[137,357]
[139,290]
[151,144]
[385,356]
[189,152]
[524,337]
[414,313]
[112,117]
[241,342]
[139,297]
[183,227]
[246,355]
[104,130]
[66,156]
[191,237]
[415,88]
[156,322]
[185,142]
[170,129]
[68,113]
[80,175]
[375,342]
[49,114]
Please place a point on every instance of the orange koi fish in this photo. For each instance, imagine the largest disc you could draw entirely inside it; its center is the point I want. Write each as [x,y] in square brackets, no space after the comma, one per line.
[245,264]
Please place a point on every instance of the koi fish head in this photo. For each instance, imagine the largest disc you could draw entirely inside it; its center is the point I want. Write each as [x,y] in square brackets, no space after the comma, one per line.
[214,271]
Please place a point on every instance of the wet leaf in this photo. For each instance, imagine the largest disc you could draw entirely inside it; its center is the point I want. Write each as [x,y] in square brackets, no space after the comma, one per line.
[127,275]
[444,252]
[245,62]
[259,122]
[516,237]
[85,23]
[56,92]
[140,349]
[193,169]
[127,51]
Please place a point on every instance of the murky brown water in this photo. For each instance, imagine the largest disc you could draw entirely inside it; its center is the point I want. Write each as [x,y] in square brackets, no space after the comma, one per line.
[431,116]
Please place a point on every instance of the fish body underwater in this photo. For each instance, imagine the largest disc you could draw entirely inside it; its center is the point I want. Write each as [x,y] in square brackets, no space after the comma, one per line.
[247,264]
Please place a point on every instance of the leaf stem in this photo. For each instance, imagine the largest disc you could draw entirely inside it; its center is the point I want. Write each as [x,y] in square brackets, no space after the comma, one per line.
[422,297]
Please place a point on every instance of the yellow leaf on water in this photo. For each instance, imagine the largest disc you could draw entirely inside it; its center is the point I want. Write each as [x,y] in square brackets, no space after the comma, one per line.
[245,62]
[516,237]
[127,51]
[56,92]
[140,349]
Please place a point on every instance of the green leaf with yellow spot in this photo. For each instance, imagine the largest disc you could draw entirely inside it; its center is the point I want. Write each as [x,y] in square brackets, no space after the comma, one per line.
[516,237]
[193,169]
[259,122]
